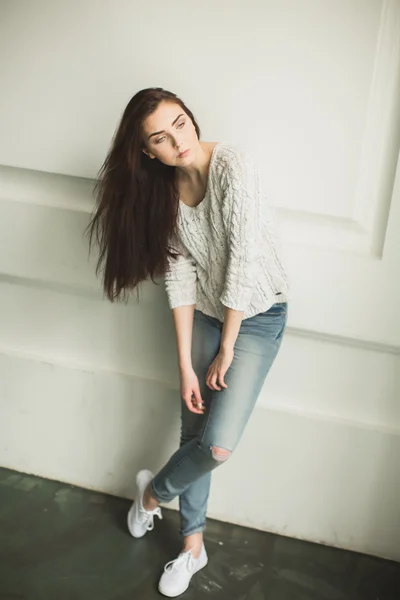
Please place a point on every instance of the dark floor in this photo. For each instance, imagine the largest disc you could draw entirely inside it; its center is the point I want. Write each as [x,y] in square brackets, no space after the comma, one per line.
[58,542]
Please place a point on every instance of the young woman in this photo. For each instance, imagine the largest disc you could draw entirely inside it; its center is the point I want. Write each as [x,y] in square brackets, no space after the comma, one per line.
[170,204]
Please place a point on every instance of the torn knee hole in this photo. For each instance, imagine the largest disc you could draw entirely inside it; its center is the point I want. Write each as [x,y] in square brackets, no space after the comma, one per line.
[220,454]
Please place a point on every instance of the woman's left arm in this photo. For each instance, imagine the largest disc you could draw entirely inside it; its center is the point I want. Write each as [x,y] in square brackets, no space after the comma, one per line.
[242,195]
[215,378]
[241,188]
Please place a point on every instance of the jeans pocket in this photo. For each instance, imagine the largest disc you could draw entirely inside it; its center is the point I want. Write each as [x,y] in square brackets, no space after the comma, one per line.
[274,320]
[276,310]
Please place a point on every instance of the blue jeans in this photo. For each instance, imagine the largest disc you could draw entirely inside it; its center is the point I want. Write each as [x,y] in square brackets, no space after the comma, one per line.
[187,474]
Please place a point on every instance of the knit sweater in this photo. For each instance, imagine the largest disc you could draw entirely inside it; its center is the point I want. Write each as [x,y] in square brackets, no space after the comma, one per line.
[228,252]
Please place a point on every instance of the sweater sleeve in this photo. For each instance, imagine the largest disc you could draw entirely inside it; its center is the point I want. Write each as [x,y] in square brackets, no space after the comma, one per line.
[180,278]
[241,189]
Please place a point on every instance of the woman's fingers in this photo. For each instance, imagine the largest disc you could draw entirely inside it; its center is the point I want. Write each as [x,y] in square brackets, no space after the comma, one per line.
[193,407]
[215,378]
[208,378]
[222,380]
[194,402]
[198,400]
[212,380]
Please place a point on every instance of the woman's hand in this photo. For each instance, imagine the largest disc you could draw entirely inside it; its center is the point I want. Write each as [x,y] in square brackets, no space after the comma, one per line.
[190,391]
[218,368]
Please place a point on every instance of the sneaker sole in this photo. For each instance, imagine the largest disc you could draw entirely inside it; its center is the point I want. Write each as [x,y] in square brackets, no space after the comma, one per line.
[164,593]
[129,524]
[139,477]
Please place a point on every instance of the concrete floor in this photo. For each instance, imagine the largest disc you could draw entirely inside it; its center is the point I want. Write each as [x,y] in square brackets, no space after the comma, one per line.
[59,542]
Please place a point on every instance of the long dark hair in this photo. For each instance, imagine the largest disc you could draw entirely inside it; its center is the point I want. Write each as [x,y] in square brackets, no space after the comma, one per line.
[137,203]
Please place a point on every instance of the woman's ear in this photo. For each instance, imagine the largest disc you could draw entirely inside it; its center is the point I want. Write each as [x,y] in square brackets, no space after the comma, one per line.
[148,153]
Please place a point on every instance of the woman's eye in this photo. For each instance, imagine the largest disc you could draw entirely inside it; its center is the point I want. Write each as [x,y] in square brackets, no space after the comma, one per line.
[181,125]
[160,140]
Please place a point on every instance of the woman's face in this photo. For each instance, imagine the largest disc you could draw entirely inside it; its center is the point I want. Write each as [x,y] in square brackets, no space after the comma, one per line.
[170,136]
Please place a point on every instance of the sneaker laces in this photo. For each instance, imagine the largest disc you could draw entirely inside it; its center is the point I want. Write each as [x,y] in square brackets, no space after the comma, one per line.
[183,558]
[147,517]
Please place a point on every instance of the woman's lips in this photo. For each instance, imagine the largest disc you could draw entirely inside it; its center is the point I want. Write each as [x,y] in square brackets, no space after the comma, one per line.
[183,154]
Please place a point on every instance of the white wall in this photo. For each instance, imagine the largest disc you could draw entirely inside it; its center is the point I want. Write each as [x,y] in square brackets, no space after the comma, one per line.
[89,390]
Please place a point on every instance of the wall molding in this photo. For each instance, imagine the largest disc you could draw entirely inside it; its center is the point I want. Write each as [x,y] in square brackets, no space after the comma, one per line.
[152,296]
[381,144]
[363,232]
[43,189]
[174,387]
[343,340]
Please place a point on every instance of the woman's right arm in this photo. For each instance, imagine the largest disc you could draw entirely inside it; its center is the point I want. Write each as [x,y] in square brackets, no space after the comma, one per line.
[183,322]
[180,282]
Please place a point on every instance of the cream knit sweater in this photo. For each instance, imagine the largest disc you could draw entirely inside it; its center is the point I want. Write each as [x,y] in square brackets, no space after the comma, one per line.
[229,255]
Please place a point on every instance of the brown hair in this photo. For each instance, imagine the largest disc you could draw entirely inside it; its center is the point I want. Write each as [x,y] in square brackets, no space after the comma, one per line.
[136,203]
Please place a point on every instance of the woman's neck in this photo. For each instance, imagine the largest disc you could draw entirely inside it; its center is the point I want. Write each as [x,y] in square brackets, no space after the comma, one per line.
[197,171]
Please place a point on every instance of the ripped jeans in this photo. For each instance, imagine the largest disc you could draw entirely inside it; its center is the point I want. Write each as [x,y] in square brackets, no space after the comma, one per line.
[187,474]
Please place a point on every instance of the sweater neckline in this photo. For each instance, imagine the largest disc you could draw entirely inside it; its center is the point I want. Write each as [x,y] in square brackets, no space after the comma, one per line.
[202,202]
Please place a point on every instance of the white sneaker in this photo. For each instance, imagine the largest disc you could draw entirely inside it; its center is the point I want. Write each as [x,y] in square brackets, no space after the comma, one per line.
[178,573]
[140,521]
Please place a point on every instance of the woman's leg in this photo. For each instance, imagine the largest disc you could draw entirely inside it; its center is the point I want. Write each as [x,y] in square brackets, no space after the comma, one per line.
[193,500]
[226,414]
